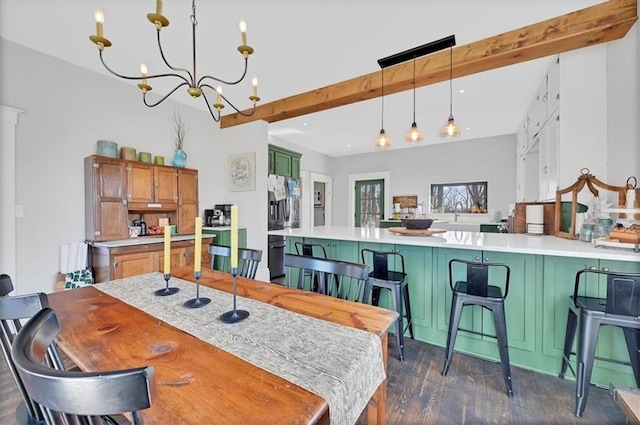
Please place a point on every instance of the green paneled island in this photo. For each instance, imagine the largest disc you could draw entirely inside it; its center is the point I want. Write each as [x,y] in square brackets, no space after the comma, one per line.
[543,270]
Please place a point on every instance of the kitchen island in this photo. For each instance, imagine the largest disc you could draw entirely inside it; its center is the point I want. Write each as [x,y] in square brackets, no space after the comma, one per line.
[543,270]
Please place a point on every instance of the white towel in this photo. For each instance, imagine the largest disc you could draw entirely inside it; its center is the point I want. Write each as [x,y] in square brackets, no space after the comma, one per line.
[73,256]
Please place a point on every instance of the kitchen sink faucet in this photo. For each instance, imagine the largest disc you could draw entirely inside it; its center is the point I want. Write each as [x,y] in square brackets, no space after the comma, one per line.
[456,214]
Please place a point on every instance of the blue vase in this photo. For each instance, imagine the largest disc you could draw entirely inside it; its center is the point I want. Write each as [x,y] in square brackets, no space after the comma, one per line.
[179,158]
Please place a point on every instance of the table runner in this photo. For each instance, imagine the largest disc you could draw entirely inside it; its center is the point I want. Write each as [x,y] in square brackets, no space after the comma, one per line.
[343,365]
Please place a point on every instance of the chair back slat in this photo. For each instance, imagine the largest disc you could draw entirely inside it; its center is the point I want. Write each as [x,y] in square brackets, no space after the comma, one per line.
[622,290]
[12,310]
[248,259]
[623,295]
[477,281]
[337,278]
[70,393]
[310,249]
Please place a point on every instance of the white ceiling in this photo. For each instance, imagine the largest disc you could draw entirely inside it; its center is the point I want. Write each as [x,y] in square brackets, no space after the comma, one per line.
[303,45]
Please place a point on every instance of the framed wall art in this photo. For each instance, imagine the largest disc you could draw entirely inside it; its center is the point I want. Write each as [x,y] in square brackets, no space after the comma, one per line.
[242,171]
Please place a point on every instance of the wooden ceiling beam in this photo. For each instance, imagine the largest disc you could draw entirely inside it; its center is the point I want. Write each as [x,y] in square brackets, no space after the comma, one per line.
[597,24]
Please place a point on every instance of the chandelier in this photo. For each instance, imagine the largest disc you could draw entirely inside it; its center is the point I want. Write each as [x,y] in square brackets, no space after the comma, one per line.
[195,87]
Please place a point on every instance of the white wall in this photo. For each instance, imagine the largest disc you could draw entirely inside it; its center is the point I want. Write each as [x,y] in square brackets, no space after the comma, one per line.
[623,108]
[67,109]
[414,170]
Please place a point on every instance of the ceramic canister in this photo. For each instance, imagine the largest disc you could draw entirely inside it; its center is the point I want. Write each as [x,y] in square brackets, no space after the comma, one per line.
[158,160]
[144,157]
[128,153]
[107,148]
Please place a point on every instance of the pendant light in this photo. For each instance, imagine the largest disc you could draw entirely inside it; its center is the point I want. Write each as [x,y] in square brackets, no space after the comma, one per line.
[414,135]
[382,141]
[451,129]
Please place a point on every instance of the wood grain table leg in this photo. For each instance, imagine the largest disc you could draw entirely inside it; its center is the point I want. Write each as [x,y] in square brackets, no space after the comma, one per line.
[377,407]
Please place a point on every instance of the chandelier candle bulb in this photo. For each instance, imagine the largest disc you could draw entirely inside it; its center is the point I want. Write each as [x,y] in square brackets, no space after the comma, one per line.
[255,86]
[99,17]
[234,236]
[159,7]
[197,261]
[167,249]
[243,31]
[143,71]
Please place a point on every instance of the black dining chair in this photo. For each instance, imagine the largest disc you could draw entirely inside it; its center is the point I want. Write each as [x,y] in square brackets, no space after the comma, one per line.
[248,259]
[340,279]
[77,397]
[620,307]
[14,309]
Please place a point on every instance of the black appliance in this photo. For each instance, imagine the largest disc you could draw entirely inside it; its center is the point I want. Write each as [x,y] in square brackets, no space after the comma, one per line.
[284,212]
[276,256]
[212,216]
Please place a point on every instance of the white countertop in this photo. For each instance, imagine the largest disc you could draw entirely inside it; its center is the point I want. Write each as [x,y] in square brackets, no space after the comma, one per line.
[499,242]
[143,240]
[219,228]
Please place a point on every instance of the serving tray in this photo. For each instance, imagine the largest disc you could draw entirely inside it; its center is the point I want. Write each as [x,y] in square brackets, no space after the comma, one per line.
[415,232]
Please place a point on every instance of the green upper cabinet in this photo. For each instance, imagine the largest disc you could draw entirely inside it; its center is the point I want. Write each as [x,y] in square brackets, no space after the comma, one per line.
[284,162]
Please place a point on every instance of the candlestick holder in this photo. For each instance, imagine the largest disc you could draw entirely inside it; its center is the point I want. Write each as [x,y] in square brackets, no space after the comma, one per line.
[166,291]
[197,301]
[234,315]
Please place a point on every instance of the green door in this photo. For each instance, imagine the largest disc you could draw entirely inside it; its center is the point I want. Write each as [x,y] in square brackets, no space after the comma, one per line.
[369,201]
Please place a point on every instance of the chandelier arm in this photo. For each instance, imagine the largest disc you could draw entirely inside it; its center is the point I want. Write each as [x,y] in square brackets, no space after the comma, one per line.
[172,67]
[126,77]
[206,101]
[231,83]
[151,105]
[228,102]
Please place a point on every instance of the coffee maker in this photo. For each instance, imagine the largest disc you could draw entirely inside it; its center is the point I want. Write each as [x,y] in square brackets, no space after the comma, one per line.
[212,216]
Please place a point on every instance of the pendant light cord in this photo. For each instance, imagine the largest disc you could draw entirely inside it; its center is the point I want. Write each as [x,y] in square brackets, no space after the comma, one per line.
[414,89]
[451,81]
[382,116]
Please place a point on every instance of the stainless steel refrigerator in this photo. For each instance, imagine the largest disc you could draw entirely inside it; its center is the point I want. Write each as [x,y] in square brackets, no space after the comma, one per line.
[284,206]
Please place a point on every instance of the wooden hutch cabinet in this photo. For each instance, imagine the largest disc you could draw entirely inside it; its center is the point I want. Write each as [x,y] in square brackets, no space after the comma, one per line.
[119,191]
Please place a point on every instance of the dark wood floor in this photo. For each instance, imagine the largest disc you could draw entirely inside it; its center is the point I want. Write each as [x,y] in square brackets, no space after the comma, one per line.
[472,393]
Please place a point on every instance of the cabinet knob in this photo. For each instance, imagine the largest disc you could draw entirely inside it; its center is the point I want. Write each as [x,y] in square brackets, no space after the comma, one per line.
[487,259]
[605,269]
[592,268]
[115,265]
[477,258]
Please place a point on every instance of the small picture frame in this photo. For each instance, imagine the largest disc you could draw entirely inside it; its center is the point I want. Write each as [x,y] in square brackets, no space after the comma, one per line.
[242,172]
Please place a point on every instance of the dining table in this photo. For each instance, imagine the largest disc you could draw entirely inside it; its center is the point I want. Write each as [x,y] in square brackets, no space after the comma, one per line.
[199,379]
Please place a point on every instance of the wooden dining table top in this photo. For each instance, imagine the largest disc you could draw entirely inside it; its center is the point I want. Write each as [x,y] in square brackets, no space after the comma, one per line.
[196,382]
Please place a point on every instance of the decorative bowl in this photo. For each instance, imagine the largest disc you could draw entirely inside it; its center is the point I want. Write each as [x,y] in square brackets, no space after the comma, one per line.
[417,223]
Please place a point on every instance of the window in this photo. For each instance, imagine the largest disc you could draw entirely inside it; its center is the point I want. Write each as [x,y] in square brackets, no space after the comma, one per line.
[446,197]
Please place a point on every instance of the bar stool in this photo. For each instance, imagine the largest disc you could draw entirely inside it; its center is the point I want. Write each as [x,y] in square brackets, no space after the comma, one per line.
[475,290]
[318,251]
[620,308]
[393,278]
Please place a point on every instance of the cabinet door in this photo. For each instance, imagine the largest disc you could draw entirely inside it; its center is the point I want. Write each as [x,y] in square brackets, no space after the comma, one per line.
[177,259]
[553,87]
[165,185]
[110,205]
[139,183]
[418,263]
[282,164]
[272,162]
[295,167]
[520,304]
[187,200]
[127,265]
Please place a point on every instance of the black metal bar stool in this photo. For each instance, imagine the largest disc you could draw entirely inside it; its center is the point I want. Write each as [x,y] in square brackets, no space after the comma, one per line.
[620,308]
[395,280]
[475,290]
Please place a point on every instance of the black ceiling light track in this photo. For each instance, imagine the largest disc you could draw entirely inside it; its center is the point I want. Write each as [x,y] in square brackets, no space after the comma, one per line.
[416,52]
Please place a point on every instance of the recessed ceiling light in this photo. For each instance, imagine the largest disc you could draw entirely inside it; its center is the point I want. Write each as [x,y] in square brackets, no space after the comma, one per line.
[467,128]
[461,90]
[348,146]
[304,124]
